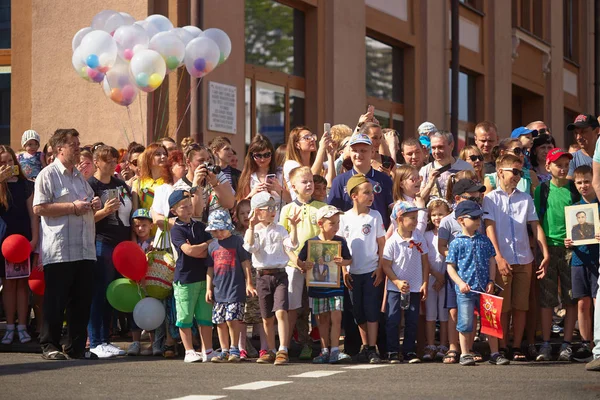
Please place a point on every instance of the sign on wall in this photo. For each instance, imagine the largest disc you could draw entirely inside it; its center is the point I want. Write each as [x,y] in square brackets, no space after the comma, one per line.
[222,107]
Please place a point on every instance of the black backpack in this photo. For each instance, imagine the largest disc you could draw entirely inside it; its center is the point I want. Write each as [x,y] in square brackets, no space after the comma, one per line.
[545,191]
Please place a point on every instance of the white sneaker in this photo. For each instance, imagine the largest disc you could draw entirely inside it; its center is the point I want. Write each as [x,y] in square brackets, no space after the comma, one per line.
[156,350]
[192,356]
[102,352]
[116,350]
[146,352]
[134,349]
[207,358]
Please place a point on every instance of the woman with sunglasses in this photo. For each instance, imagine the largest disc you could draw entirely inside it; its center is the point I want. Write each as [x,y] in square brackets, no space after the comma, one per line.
[154,171]
[260,172]
[529,180]
[542,144]
[302,151]
[474,156]
[133,156]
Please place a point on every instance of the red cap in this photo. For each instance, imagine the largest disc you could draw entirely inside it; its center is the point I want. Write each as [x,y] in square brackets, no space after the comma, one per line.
[557,153]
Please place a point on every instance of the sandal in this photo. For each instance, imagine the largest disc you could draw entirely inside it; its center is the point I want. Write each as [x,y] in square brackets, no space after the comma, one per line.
[518,356]
[24,336]
[476,356]
[170,351]
[451,357]
[54,356]
[9,336]
[467,360]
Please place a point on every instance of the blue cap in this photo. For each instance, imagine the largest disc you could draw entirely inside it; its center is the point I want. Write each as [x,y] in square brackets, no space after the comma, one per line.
[219,220]
[141,213]
[359,138]
[520,131]
[177,196]
[425,141]
[468,209]
[403,207]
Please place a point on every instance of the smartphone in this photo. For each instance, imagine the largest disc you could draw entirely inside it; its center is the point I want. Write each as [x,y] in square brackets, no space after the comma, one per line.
[371,109]
[271,177]
[15,170]
[347,164]
[326,127]
[387,163]
[113,194]
[444,168]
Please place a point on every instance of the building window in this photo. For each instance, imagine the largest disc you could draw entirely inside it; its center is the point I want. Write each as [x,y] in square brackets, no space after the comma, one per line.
[475,4]
[384,78]
[570,32]
[528,15]
[4,24]
[5,105]
[466,106]
[275,65]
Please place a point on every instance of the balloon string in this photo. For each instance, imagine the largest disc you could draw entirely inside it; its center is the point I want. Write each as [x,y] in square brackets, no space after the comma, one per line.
[162,118]
[154,133]
[119,120]
[186,110]
[131,123]
[145,135]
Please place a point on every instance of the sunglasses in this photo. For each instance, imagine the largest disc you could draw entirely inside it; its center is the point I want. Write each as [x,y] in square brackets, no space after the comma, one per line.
[514,171]
[473,218]
[263,156]
[517,151]
[308,138]
[471,198]
[476,158]
[544,131]
[134,162]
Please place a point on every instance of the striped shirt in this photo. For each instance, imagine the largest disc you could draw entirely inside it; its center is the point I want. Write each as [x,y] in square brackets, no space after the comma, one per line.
[69,237]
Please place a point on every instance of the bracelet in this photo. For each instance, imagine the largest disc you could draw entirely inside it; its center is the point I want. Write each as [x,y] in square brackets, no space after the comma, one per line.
[74,209]
[217,184]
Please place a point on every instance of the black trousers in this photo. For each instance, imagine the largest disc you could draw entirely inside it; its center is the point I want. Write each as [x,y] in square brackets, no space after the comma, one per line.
[352,340]
[68,286]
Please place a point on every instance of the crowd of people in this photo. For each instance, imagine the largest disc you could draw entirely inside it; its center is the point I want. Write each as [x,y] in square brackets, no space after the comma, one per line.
[355,234]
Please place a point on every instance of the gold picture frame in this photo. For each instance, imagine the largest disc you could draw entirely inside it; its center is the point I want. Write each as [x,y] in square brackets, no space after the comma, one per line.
[325,272]
[582,230]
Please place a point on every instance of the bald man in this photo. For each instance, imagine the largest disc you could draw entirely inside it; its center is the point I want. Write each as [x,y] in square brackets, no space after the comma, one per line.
[539,126]
[486,137]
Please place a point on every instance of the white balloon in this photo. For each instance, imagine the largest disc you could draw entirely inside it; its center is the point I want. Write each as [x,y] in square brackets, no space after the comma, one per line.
[201,56]
[101,46]
[194,30]
[79,37]
[129,20]
[130,38]
[113,22]
[222,40]
[100,19]
[148,70]
[118,84]
[79,65]
[149,313]
[170,47]
[158,23]
[184,35]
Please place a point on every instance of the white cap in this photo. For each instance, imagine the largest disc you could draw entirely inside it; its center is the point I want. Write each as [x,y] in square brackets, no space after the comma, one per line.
[29,135]
[426,128]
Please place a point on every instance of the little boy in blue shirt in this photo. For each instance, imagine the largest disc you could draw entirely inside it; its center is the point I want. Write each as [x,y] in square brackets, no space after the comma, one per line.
[471,265]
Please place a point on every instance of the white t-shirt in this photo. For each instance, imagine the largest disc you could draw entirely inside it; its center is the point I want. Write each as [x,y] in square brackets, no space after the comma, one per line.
[288,166]
[406,259]
[439,190]
[361,233]
[436,260]
[421,216]
[160,205]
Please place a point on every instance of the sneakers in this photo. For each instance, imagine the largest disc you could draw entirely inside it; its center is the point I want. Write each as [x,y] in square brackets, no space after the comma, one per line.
[593,365]
[134,349]
[393,358]
[281,358]
[234,355]
[192,356]
[584,353]
[441,352]
[532,352]
[374,357]
[556,329]
[208,357]
[566,352]
[146,352]
[250,349]
[156,350]
[322,358]
[24,336]
[306,353]
[243,355]
[430,353]
[545,353]
[339,357]
[499,359]
[363,356]
[116,350]
[220,357]
[467,360]
[267,358]
[102,352]
[9,336]
[412,358]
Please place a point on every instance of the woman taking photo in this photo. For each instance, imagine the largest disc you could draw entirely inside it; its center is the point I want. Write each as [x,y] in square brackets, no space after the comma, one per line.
[112,228]
[260,172]
[16,210]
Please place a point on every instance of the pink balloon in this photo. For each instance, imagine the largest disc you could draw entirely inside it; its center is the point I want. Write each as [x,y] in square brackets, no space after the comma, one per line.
[92,73]
[128,53]
[128,92]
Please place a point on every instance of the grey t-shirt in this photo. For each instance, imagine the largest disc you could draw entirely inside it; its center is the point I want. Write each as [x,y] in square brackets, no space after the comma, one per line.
[579,159]
[439,190]
[226,257]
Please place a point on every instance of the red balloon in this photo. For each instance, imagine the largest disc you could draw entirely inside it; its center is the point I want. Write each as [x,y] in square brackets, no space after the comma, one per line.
[16,248]
[36,274]
[129,259]
[37,286]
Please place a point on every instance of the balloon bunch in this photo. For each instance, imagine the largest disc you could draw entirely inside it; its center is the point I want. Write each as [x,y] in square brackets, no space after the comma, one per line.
[127,56]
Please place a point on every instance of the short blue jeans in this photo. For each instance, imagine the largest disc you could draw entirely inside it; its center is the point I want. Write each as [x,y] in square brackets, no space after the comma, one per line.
[466,303]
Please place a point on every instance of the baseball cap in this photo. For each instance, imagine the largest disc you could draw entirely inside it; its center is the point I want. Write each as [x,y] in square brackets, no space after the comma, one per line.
[557,153]
[403,207]
[177,196]
[262,199]
[354,181]
[359,138]
[327,212]
[141,213]
[219,220]
[425,141]
[29,135]
[468,209]
[466,186]
[426,129]
[584,121]
[520,131]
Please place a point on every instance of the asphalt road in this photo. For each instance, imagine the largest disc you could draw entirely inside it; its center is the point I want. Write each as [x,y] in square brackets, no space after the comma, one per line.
[28,376]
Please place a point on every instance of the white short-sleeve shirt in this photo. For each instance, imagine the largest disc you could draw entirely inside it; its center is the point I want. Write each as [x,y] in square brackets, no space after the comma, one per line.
[405,255]
[361,233]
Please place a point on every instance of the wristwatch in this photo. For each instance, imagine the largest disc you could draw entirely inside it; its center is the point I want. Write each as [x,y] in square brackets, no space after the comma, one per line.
[194,189]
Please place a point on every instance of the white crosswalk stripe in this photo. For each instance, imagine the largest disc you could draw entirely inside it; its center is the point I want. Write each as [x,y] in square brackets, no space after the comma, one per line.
[199,397]
[316,374]
[367,366]
[257,385]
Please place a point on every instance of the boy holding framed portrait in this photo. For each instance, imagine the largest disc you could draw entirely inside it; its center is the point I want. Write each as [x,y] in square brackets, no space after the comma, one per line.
[323,257]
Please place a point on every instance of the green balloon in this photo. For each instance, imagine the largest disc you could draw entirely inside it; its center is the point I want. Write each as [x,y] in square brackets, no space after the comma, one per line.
[172,62]
[123,294]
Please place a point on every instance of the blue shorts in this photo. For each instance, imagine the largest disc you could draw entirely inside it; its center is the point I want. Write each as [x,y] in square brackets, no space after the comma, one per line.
[450,301]
[466,303]
[584,281]
[366,298]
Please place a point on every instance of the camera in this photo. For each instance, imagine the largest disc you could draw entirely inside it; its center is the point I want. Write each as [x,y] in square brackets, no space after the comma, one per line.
[213,169]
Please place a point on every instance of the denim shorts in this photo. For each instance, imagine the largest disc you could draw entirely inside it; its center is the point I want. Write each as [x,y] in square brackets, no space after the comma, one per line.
[466,303]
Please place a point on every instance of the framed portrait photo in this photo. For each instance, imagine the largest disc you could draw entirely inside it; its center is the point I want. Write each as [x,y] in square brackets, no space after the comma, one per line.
[582,223]
[325,272]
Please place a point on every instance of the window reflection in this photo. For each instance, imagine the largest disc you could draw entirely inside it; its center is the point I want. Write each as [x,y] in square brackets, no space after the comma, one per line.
[5,24]
[466,95]
[270,112]
[384,71]
[5,104]
[297,105]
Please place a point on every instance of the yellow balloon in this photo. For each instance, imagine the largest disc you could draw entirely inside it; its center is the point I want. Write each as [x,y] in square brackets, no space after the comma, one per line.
[155,81]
